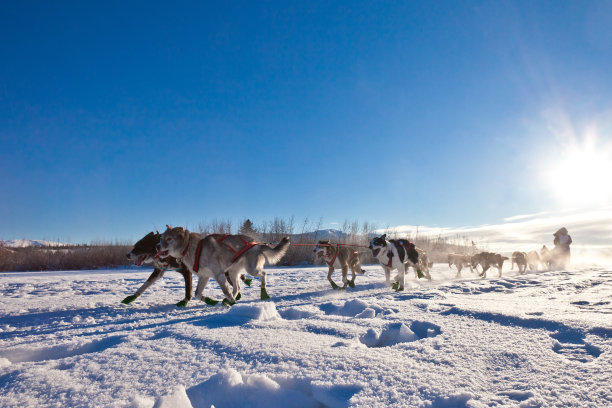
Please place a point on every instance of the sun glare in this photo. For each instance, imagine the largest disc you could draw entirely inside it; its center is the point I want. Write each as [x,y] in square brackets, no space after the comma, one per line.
[580,175]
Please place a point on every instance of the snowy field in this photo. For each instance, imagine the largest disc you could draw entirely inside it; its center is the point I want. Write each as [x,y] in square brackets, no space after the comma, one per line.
[539,339]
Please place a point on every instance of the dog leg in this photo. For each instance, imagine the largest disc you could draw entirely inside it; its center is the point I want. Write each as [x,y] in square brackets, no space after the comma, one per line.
[387,275]
[188,283]
[157,273]
[264,293]
[344,277]
[352,282]
[329,278]
[459,267]
[401,277]
[202,281]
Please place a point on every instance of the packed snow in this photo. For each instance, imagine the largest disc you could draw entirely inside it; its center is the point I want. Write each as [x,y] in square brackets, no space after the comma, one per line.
[539,339]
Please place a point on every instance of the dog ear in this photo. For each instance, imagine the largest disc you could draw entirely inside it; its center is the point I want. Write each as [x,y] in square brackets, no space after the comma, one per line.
[384,236]
[168,227]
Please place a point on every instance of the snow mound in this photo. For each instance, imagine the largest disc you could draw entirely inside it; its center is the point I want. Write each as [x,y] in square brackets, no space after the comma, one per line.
[262,311]
[390,335]
[229,388]
[395,333]
[296,313]
[353,308]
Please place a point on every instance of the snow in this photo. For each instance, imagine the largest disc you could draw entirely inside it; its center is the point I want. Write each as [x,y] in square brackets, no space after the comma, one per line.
[23,243]
[539,339]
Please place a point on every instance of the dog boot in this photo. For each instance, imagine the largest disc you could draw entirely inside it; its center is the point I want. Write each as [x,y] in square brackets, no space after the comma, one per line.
[399,289]
[248,281]
[129,299]
[182,303]
[210,301]
[334,286]
[227,303]
[239,296]
[264,294]
[395,286]
[420,274]
[351,283]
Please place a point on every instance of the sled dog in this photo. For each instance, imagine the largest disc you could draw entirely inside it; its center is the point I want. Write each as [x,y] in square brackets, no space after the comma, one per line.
[460,261]
[343,257]
[520,259]
[397,254]
[145,251]
[533,260]
[546,257]
[222,257]
[488,259]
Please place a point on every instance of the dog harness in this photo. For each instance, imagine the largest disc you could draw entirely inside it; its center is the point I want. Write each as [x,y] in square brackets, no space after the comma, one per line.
[331,263]
[237,253]
[390,256]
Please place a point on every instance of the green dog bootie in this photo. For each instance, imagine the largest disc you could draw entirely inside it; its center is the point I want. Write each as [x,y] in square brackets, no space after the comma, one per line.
[264,294]
[227,303]
[351,283]
[395,286]
[239,296]
[248,281]
[182,303]
[129,299]
[334,286]
[420,274]
[210,301]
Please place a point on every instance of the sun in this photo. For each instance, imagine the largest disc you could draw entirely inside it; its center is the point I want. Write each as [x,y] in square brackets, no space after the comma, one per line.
[581,173]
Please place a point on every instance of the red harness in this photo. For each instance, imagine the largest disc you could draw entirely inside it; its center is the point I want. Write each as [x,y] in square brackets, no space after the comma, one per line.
[196,262]
[390,256]
[331,263]
[237,253]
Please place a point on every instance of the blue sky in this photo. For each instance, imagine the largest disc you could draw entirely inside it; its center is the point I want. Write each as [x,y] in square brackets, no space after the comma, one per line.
[118,117]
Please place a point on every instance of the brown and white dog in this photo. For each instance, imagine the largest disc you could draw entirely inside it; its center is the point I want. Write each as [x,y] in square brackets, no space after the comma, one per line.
[342,257]
[145,251]
[488,259]
[398,254]
[222,257]
[520,259]
[460,261]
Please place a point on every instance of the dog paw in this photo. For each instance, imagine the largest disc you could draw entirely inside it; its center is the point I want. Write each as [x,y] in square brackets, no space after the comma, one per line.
[334,286]
[182,303]
[399,289]
[395,286]
[239,296]
[351,283]
[210,301]
[227,303]
[264,294]
[129,299]
[248,281]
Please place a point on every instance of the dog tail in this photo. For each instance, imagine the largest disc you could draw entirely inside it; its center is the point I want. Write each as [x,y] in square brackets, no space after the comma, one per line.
[273,255]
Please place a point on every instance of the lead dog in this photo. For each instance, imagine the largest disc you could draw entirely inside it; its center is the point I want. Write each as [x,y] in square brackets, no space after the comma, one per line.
[222,257]
[488,259]
[460,261]
[339,257]
[397,254]
[520,259]
[144,251]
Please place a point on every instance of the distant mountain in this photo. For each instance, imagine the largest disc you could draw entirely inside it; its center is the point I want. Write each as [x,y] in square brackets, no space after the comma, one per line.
[323,234]
[23,243]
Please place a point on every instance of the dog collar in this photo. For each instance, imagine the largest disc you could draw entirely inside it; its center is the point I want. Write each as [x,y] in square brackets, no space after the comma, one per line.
[331,263]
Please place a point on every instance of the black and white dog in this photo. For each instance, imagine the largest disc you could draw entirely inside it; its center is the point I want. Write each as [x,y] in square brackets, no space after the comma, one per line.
[145,251]
[398,254]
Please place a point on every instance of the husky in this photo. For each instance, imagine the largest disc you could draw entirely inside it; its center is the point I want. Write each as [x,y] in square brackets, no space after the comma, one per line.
[145,251]
[546,257]
[222,257]
[397,254]
[520,259]
[486,260]
[533,260]
[460,261]
[339,257]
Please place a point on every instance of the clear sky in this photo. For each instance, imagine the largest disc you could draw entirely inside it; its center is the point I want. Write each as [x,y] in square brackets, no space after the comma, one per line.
[118,117]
